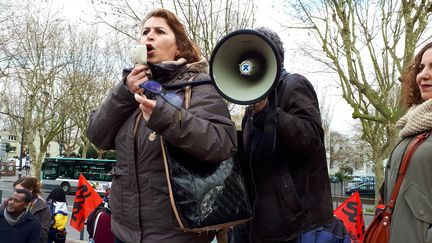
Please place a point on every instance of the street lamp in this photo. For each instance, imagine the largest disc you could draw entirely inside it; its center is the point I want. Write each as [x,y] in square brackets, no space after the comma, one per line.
[21,151]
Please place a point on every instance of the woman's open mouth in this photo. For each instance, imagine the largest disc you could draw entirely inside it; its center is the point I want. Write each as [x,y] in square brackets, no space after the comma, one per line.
[150,49]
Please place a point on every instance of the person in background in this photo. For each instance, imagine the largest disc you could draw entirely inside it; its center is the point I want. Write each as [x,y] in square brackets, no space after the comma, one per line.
[38,206]
[99,222]
[57,204]
[17,224]
[412,215]
[288,183]
[132,124]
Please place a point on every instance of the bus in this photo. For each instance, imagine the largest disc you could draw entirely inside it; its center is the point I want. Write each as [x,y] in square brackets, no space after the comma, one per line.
[64,172]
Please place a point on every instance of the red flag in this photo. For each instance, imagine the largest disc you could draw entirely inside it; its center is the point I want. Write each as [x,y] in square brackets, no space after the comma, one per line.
[86,200]
[351,213]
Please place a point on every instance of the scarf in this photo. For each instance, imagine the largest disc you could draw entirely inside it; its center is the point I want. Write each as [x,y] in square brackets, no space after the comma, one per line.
[13,221]
[418,119]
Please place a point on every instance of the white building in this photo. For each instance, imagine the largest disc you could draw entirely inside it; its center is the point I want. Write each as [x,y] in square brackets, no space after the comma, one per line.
[53,149]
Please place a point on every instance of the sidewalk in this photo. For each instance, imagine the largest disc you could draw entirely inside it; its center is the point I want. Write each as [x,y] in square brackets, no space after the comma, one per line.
[13,178]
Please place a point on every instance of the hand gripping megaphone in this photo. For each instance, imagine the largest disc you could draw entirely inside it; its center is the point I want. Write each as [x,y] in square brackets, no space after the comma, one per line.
[245,66]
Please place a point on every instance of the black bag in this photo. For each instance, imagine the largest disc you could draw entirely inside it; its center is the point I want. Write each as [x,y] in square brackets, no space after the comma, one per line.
[205,196]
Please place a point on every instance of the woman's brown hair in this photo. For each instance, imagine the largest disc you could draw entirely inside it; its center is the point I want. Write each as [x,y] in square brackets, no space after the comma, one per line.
[29,183]
[410,90]
[188,49]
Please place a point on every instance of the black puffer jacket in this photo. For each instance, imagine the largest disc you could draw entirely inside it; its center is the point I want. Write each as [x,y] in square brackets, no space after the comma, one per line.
[290,190]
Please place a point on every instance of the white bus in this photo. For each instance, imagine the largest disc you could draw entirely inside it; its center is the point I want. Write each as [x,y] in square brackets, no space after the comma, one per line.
[64,172]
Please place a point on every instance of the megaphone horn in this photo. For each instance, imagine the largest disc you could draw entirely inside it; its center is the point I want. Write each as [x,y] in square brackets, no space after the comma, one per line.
[245,66]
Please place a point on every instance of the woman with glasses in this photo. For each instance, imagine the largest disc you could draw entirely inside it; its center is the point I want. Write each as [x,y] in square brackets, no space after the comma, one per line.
[138,112]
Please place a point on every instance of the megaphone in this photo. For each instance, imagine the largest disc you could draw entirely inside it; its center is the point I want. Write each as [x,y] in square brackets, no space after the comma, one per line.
[245,66]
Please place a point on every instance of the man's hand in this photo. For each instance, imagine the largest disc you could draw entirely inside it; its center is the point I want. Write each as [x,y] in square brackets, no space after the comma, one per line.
[259,106]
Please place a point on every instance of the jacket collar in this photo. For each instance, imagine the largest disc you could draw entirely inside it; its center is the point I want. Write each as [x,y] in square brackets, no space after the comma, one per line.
[38,205]
[166,71]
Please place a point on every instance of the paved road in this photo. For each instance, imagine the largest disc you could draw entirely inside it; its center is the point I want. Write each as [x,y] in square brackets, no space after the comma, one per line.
[6,183]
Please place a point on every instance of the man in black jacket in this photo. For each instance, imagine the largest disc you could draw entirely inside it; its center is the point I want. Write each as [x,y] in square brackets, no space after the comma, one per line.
[284,160]
[17,224]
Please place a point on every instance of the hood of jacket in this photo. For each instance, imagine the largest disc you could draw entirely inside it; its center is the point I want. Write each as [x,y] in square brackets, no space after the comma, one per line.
[38,204]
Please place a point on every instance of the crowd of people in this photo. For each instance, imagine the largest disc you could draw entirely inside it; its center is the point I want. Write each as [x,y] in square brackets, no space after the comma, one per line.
[287,182]
[27,217]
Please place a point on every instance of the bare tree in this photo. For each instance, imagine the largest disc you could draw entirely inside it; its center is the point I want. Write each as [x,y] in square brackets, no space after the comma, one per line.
[6,12]
[367,44]
[92,71]
[207,21]
[37,99]
[326,110]
[347,151]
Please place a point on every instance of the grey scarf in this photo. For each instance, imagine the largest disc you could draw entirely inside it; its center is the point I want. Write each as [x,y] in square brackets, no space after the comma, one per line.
[11,220]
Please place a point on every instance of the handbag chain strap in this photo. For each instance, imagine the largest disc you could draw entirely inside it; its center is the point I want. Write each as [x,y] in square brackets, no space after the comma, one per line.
[403,168]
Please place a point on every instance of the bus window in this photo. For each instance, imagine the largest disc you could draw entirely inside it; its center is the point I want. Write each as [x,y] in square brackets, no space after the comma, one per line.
[49,171]
[66,171]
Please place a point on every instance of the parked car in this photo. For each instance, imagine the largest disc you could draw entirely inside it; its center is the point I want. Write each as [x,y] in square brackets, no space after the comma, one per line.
[365,189]
[369,179]
[354,182]
[334,179]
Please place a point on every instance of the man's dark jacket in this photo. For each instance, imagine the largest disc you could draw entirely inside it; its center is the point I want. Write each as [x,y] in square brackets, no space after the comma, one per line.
[290,190]
[27,230]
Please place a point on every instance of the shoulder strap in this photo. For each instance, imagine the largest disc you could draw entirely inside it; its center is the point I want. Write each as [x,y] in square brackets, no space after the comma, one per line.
[96,223]
[187,96]
[403,167]
[188,92]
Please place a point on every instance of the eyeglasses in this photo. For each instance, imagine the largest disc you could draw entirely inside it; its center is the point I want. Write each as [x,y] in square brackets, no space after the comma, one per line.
[156,88]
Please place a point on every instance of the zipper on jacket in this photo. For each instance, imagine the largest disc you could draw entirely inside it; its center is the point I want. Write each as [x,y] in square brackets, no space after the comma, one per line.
[252,177]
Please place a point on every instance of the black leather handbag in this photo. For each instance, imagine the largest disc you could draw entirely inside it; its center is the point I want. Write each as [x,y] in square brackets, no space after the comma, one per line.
[204,196]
